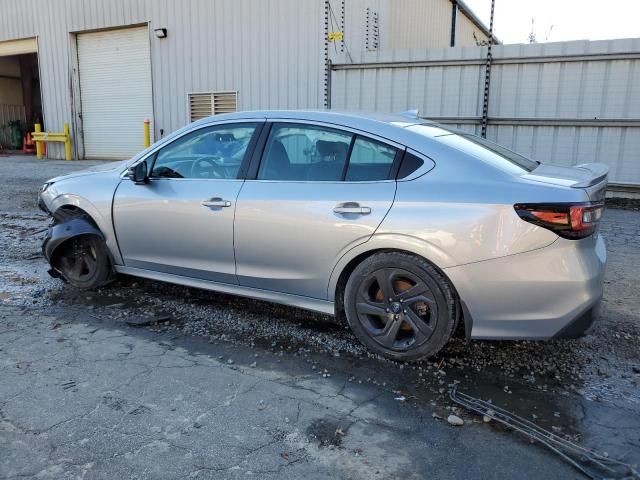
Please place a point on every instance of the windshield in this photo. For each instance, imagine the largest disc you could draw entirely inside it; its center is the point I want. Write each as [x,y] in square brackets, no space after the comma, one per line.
[480,148]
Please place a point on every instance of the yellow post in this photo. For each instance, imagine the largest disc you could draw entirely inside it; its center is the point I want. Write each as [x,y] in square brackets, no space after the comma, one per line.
[67,142]
[38,144]
[147,133]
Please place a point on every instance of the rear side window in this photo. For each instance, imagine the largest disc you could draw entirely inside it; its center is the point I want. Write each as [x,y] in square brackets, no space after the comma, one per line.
[304,153]
[370,161]
[410,163]
[489,152]
[479,147]
[299,152]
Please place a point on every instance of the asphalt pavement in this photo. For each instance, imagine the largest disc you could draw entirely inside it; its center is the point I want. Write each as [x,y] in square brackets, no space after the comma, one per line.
[142,379]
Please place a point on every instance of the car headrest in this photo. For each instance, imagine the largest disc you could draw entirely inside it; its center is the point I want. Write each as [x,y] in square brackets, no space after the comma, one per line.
[277,162]
[335,150]
[225,137]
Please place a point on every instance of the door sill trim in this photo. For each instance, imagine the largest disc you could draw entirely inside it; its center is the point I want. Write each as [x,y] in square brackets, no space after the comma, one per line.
[307,303]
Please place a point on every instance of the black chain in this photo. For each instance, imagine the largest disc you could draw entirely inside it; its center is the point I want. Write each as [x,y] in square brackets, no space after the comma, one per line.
[487,76]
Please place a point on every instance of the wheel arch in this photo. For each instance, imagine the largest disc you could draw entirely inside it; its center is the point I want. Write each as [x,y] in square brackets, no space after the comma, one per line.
[67,211]
[99,215]
[73,223]
[340,277]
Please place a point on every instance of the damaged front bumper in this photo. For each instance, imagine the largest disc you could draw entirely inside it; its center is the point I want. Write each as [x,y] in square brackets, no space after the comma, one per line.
[42,205]
[60,233]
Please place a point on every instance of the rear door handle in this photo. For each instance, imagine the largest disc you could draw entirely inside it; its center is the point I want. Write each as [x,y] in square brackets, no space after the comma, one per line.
[352,208]
[216,202]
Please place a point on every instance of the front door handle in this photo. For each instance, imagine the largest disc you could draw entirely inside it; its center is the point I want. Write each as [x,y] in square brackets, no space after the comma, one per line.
[216,202]
[352,208]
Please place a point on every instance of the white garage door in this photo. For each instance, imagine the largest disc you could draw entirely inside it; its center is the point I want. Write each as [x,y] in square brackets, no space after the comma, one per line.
[115,90]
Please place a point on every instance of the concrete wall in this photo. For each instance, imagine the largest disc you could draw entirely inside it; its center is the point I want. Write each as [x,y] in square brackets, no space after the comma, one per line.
[566,102]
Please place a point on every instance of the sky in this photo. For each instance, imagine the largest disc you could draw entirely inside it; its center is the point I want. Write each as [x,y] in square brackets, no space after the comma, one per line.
[560,20]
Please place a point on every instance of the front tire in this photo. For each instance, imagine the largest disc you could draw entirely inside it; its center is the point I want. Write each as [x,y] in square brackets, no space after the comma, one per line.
[400,306]
[84,262]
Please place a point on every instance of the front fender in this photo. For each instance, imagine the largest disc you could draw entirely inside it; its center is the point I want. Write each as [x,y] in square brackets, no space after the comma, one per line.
[95,197]
[60,233]
[97,212]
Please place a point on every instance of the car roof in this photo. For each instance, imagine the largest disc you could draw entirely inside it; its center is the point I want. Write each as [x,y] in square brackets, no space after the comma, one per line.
[391,126]
[330,116]
[339,117]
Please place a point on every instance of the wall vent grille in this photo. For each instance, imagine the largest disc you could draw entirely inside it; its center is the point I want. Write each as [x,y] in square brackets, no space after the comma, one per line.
[202,105]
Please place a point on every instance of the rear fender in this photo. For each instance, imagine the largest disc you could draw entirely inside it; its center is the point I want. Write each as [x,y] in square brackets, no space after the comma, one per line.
[59,234]
[389,241]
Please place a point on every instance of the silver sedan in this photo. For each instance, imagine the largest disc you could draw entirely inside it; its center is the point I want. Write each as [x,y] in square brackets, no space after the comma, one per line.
[412,231]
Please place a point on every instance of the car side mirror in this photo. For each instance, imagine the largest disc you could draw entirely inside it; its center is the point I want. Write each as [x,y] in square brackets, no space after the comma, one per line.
[138,173]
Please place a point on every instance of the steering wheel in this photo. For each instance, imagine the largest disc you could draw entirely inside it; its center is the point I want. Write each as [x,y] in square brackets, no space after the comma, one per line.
[206,168]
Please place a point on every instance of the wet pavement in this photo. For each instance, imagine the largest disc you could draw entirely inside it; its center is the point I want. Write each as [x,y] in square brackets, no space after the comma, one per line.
[150,380]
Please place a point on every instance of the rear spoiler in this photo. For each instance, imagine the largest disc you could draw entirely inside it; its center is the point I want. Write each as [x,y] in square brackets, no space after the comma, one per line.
[599,173]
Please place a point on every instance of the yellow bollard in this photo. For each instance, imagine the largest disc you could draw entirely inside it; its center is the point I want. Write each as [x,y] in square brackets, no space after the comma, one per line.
[147,133]
[67,142]
[38,144]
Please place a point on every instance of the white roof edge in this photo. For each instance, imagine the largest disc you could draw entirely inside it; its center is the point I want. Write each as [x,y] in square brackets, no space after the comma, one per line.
[339,116]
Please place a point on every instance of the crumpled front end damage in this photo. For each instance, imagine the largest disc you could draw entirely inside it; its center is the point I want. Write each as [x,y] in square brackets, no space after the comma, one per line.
[60,233]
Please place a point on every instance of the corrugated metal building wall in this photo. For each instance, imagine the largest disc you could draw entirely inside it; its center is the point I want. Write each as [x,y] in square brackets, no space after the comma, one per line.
[421,23]
[566,103]
[403,24]
[467,33]
[270,51]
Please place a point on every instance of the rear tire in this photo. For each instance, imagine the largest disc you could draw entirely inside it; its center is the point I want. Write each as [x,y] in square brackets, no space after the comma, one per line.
[400,306]
[84,262]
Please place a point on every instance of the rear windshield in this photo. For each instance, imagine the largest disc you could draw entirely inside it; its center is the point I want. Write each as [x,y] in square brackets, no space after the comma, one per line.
[482,149]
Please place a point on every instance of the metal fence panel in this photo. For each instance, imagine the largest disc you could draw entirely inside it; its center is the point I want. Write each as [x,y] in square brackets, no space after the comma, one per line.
[565,102]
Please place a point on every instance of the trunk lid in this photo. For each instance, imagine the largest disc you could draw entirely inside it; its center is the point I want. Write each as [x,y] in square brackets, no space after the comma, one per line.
[590,176]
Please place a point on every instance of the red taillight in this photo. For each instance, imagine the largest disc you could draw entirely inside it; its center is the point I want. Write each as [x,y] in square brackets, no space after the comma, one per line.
[556,218]
[574,221]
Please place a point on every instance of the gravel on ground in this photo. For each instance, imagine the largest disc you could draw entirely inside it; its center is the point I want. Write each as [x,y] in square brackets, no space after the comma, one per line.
[586,390]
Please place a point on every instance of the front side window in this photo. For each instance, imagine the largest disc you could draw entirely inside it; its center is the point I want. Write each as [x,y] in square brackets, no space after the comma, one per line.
[304,153]
[214,152]
[370,161]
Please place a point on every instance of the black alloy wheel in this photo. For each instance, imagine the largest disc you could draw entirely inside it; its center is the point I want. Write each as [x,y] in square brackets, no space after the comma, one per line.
[83,261]
[400,306]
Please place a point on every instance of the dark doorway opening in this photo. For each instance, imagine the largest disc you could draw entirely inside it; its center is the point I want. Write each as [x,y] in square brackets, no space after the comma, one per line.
[20,100]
